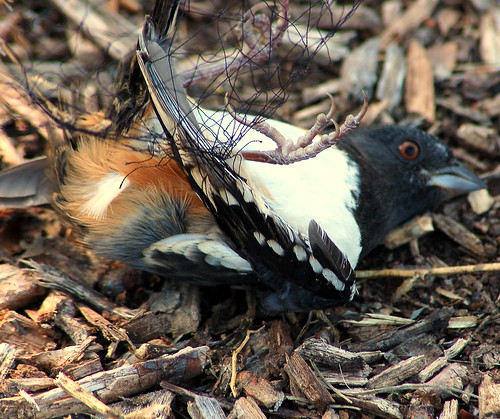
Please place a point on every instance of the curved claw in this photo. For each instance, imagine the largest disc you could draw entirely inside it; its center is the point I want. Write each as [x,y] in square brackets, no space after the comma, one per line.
[332,109]
[337,132]
[364,108]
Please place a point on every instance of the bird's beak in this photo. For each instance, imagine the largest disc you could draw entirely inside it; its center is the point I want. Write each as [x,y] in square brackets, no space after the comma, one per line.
[456,179]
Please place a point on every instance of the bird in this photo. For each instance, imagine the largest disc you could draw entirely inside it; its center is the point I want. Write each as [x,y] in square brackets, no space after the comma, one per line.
[193,195]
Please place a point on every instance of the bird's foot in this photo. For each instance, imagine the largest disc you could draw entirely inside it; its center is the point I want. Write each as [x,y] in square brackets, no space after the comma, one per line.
[288,151]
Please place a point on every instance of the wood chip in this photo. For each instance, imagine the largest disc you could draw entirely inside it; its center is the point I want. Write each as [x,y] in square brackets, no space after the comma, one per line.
[378,406]
[390,85]
[113,384]
[398,373]
[412,18]
[490,34]
[480,201]
[12,386]
[17,289]
[480,137]
[446,19]
[457,232]
[7,359]
[112,32]
[260,389]
[24,334]
[419,91]
[489,395]
[76,391]
[155,404]
[385,341]
[451,377]
[323,354]
[450,409]
[463,322]
[205,408]
[246,408]
[412,230]
[444,59]
[304,381]
[359,69]
[453,104]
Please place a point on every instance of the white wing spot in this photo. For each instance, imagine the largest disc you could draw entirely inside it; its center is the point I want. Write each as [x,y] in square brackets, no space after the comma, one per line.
[260,238]
[228,198]
[273,244]
[315,265]
[300,253]
[333,279]
[246,192]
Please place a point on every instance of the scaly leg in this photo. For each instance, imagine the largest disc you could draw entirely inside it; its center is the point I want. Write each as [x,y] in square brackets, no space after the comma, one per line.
[287,151]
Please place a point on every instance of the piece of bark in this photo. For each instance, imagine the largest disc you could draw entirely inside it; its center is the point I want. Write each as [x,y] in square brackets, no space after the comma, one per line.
[435,322]
[48,277]
[147,326]
[444,59]
[181,305]
[398,373]
[305,382]
[411,19]
[390,85]
[458,233]
[377,406]
[77,361]
[260,389]
[453,103]
[111,31]
[479,137]
[280,344]
[60,309]
[413,229]
[84,396]
[7,359]
[421,406]
[450,409]
[16,99]
[330,413]
[359,69]
[446,19]
[490,34]
[321,353]
[24,334]
[419,90]
[111,385]
[205,408]
[12,386]
[452,377]
[109,330]
[246,408]
[17,290]
[480,201]
[489,395]
[490,105]
[463,322]
[154,404]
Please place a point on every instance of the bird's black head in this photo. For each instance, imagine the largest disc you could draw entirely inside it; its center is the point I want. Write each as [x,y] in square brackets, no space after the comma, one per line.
[404,172]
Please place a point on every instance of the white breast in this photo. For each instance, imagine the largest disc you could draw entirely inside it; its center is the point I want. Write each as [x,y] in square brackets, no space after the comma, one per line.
[322,188]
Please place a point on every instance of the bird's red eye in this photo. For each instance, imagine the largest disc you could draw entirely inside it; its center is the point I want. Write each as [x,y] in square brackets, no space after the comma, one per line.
[409,150]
